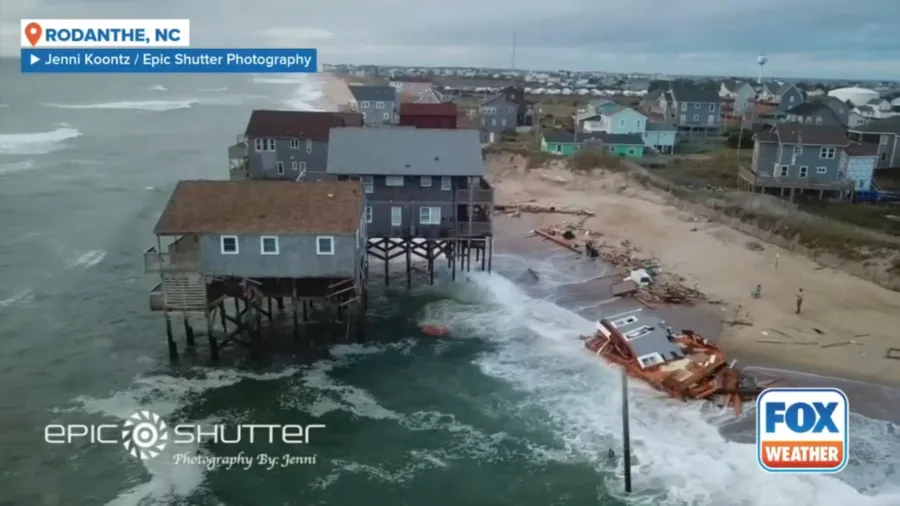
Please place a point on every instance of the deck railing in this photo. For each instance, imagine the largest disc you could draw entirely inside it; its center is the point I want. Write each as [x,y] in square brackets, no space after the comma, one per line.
[154,261]
[479,196]
[477,228]
[808,183]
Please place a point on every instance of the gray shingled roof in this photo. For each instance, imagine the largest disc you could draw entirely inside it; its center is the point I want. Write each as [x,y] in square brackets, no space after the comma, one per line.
[619,139]
[405,152]
[808,108]
[890,125]
[690,92]
[374,93]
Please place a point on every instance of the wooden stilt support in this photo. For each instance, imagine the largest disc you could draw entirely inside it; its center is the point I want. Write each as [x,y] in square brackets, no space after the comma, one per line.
[211,338]
[280,301]
[223,316]
[430,246]
[483,250]
[189,332]
[490,245]
[387,276]
[407,246]
[454,248]
[170,339]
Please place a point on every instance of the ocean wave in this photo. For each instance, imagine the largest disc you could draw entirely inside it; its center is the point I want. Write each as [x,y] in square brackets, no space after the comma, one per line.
[21,166]
[212,90]
[36,143]
[88,259]
[165,396]
[676,445]
[159,87]
[278,80]
[140,105]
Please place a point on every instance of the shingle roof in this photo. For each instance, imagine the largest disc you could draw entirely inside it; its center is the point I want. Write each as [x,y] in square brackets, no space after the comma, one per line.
[862,149]
[783,88]
[795,133]
[563,137]
[807,108]
[374,93]
[619,139]
[298,124]
[405,152]
[889,125]
[689,92]
[262,207]
[424,109]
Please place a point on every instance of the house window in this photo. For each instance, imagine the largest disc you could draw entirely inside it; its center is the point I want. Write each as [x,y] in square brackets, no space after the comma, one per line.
[446,183]
[503,122]
[229,244]
[696,117]
[393,181]
[368,184]
[295,143]
[387,115]
[325,245]
[493,121]
[712,107]
[628,320]
[270,144]
[302,166]
[696,105]
[259,144]
[791,99]
[559,148]
[364,104]
[379,105]
[268,245]
[368,214]
[684,106]
[804,170]
[396,216]
[818,120]
[650,359]
[711,119]
[279,168]
[808,120]
[821,170]
[363,114]
[784,171]
[425,181]
[630,151]
[430,215]
[827,153]
[683,118]
[798,150]
[295,166]
[309,145]
[621,122]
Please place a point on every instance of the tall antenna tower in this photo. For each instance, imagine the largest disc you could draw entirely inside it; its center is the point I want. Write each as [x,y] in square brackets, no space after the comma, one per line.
[513,66]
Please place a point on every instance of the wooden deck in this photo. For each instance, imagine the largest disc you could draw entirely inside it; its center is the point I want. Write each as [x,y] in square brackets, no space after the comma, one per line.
[804,183]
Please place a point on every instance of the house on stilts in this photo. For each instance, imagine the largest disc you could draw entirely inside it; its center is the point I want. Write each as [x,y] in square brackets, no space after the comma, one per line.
[255,242]
[426,193]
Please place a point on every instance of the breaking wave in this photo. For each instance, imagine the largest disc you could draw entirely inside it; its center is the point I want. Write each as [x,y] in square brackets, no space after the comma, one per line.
[36,143]
[135,105]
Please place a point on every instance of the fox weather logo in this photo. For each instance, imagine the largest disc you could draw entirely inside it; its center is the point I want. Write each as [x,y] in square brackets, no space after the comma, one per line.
[145,435]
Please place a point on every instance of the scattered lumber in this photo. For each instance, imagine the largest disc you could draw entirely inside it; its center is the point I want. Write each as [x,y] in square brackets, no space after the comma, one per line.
[537,208]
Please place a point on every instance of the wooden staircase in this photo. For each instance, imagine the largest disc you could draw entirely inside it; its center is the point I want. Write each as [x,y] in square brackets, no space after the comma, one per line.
[343,293]
[184,291]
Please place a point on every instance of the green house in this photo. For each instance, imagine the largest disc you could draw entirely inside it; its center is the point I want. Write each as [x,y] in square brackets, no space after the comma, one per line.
[567,143]
[561,143]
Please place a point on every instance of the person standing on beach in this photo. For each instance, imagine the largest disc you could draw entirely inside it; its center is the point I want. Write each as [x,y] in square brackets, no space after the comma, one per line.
[799,300]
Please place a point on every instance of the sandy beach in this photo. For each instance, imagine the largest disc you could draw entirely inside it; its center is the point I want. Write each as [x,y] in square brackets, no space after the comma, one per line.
[335,92]
[846,325]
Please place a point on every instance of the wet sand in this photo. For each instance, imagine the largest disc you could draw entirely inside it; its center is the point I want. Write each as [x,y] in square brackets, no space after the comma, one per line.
[589,297]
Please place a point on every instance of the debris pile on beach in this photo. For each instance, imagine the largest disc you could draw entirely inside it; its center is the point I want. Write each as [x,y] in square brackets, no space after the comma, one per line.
[664,289]
[515,209]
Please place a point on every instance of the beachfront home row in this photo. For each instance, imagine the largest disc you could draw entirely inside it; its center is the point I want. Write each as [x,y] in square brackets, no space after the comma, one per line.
[694,109]
[505,112]
[795,157]
[882,136]
[378,105]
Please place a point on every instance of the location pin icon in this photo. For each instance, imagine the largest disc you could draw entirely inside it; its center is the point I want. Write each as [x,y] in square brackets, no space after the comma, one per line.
[33,33]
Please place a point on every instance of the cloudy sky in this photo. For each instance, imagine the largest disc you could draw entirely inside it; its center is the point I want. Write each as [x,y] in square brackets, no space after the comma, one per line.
[802,38]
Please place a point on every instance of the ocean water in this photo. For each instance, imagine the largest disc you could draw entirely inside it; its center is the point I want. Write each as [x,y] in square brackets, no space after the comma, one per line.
[507,411]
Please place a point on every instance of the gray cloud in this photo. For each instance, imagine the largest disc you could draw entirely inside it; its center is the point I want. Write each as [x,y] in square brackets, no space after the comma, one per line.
[827,38]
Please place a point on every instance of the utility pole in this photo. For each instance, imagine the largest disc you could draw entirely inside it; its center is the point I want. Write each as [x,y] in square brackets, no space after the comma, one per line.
[626,436]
